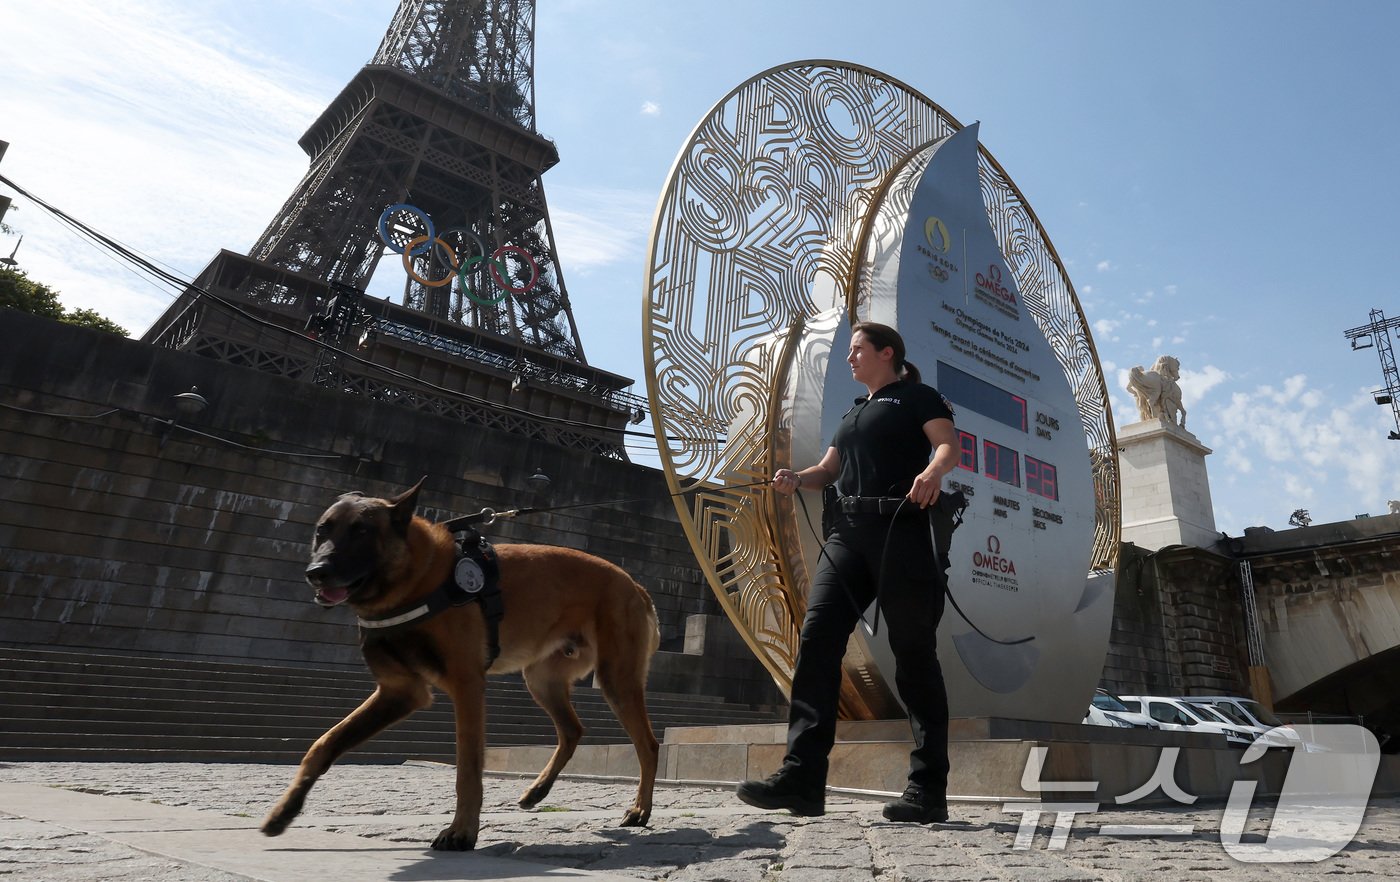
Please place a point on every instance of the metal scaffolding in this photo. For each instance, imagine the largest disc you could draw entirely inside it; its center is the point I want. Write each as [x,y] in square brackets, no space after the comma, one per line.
[1377,334]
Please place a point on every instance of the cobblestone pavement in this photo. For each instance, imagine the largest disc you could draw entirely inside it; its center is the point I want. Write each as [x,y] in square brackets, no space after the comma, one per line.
[697,833]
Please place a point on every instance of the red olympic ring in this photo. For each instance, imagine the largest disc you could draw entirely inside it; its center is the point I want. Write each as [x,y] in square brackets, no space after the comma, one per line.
[530,261]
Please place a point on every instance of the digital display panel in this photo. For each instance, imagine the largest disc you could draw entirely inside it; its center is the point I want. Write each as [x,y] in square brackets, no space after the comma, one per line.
[1001,463]
[1040,478]
[967,458]
[978,395]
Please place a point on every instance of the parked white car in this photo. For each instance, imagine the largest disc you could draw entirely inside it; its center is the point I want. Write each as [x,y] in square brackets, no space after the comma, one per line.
[1211,712]
[1175,715]
[1248,712]
[1106,710]
[1098,716]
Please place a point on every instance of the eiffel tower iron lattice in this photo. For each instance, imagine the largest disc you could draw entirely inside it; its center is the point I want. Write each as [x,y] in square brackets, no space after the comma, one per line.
[432,149]
[442,118]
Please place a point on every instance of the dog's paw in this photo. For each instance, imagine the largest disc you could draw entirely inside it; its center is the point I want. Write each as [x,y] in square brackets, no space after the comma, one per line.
[276,824]
[448,840]
[636,817]
[532,797]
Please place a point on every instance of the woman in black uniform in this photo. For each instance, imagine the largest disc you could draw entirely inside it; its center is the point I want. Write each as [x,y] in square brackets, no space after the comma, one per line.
[898,441]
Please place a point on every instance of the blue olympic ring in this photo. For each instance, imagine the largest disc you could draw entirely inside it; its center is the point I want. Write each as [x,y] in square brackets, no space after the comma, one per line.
[388,238]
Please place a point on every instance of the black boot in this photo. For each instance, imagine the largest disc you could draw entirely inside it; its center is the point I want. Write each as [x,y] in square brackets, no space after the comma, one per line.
[786,789]
[918,806]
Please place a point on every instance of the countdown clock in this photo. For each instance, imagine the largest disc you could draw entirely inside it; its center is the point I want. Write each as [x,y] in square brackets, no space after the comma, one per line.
[819,193]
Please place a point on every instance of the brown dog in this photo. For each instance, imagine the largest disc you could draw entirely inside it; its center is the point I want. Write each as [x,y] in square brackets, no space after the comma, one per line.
[566,613]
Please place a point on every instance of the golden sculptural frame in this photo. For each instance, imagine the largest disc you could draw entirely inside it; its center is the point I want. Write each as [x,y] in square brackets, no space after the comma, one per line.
[758,231]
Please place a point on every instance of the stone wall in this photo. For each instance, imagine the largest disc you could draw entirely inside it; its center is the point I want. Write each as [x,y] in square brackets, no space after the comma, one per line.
[1329,616]
[119,532]
[1177,625]
[1138,661]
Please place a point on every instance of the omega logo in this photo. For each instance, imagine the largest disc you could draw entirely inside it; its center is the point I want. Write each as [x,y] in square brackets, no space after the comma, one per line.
[992,559]
[992,283]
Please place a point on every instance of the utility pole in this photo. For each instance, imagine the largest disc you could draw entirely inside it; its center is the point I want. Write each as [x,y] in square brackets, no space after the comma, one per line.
[4,200]
[1377,334]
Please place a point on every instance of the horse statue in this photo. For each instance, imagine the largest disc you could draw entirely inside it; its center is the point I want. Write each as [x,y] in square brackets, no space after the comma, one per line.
[1156,392]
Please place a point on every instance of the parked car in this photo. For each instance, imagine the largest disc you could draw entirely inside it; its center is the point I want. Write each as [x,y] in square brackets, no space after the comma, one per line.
[1174,715]
[1248,712]
[1098,716]
[1211,712]
[1245,711]
[1107,706]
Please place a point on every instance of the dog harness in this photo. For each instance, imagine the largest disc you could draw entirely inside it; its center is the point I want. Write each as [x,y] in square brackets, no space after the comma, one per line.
[475,578]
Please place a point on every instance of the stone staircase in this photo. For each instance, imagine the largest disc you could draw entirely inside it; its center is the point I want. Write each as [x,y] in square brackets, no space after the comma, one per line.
[73,706]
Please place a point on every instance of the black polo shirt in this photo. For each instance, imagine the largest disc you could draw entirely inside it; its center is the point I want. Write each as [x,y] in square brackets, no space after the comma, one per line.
[881,439]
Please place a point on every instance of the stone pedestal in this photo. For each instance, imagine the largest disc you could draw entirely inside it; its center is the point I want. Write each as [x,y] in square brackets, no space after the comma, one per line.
[1166,493]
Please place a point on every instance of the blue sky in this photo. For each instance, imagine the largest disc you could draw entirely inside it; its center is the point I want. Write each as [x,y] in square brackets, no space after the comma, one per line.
[1219,178]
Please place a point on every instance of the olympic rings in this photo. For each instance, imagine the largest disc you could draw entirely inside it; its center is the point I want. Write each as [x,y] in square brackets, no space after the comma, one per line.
[436,246]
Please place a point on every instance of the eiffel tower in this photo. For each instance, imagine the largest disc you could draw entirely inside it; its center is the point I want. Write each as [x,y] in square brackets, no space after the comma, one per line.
[430,157]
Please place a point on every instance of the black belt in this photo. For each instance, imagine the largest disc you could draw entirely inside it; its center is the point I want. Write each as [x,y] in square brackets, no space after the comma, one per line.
[877,505]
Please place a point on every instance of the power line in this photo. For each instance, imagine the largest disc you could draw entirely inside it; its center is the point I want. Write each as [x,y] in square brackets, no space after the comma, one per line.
[182,285]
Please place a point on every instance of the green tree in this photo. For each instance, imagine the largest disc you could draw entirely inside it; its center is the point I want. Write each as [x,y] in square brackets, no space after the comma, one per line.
[18,291]
[90,318]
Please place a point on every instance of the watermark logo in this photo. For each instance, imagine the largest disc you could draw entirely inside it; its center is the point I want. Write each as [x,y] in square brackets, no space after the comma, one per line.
[1319,808]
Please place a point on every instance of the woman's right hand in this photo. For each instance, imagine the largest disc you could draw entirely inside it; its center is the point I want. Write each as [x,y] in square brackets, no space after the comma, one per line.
[786,481]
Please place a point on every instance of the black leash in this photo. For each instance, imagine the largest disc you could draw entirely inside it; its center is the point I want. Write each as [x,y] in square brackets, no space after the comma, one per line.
[845,588]
[488,516]
[880,577]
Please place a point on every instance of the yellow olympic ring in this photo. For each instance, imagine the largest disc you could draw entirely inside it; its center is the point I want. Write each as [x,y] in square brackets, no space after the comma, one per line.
[408,262]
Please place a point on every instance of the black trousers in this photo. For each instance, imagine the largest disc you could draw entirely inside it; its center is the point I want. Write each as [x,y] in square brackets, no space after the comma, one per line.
[911,603]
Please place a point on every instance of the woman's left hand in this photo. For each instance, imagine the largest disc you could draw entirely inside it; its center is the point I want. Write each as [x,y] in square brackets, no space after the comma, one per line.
[924,492]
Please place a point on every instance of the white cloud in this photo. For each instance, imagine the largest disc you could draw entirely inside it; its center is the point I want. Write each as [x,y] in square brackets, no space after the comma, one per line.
[1331,457]
[596,227]
[1106,327]
[1196,385]
[153,126]
[651,108]
[1103,266]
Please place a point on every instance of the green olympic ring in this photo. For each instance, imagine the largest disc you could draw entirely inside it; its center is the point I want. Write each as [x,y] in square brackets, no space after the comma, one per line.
[496,269]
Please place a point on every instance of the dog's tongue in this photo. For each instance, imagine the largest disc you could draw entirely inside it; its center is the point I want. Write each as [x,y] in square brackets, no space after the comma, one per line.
[333,596]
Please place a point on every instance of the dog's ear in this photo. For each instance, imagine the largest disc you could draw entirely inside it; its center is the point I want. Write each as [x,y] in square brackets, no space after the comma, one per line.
[401,507]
